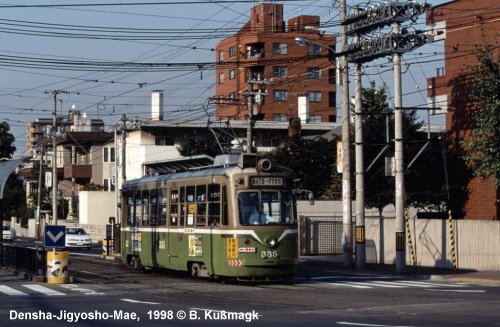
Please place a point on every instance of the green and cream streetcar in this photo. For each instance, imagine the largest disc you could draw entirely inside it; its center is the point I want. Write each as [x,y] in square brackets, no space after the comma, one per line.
[234,219]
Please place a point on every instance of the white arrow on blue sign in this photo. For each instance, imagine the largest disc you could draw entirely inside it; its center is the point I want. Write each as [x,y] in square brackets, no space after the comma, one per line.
[54,236]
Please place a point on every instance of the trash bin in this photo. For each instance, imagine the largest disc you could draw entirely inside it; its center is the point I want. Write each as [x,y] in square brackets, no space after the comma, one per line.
[58,267]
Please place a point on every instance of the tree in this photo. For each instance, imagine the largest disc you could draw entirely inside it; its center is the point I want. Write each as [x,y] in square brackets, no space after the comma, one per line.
[425,182]
[14,190]
[7,148]
[379,190]
[481,149]
[311,161]
[199,144]
[14,198]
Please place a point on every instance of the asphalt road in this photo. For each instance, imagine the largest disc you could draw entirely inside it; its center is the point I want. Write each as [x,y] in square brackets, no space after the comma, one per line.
[318,296]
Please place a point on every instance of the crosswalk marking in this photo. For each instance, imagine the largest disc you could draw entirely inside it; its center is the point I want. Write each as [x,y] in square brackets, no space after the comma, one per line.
[10,291]
[44,290]
[80,289]
[37,290]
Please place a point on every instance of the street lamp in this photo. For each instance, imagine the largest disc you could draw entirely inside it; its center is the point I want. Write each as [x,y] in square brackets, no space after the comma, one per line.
[346,166]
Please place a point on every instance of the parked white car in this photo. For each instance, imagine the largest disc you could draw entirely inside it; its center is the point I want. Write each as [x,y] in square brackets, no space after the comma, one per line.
[77,237]
[8,234]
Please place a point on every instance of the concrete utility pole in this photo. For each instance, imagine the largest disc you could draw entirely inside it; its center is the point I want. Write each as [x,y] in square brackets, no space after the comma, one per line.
[360,171]
[39,199]
[346,160]
[124,150]
[398,154]
[250,95]
[54,154]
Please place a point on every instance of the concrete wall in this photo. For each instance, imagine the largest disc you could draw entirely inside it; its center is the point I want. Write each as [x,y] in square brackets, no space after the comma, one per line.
[477,243]
[95,207]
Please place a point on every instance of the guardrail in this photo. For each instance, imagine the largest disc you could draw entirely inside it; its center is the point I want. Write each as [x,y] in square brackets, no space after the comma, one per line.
[29,260]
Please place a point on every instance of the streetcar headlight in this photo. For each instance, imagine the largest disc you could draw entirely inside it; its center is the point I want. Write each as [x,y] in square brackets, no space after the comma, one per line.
[271,242]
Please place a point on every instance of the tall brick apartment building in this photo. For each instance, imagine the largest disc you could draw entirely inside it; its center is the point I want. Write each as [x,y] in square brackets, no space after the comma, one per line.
[463,25]
[265,50]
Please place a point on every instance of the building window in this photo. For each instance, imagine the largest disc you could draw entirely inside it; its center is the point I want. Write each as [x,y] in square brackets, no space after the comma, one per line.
[314,96]
[164,140]
[332,76]
[221,78]
[221,100]
[108,184]
[108,154]
[280,71]
[280,48]
[280,95]
[313,73]
[313,50]
[315,118]
[332,99]
[279,117]
[221,55]
[232,51]
[232,97]
[232,74]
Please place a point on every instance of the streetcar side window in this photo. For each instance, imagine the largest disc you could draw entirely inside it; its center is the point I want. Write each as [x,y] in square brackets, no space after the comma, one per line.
[174,207]
[225,217]
[190,193]
[214,204]
[145,208]
[201,205]
[130,208]
[153,198]
[182,200]
[162,210]
[138,208]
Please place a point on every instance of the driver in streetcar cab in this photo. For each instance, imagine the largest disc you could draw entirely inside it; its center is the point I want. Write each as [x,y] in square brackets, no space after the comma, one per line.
[258,217]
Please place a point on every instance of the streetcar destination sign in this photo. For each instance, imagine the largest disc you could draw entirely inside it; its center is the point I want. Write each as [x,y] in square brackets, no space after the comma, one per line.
[266,181]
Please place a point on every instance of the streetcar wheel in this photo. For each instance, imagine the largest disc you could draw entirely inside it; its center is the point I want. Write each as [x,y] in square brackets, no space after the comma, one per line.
[135,263]
[195,269]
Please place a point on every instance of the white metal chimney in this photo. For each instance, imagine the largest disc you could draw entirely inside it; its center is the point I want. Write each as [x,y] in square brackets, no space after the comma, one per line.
[157,105]
[303,108]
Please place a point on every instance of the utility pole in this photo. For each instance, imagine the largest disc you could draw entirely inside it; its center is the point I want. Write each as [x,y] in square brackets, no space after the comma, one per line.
[360,168]
[366,21]
[346,160]
[250,94]
[39,199]
[398,155]
[54,153]
[124,140]
[253,117]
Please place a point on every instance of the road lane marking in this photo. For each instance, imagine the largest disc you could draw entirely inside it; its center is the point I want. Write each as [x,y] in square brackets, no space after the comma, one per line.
[141,302]
[367,325]
[458,291]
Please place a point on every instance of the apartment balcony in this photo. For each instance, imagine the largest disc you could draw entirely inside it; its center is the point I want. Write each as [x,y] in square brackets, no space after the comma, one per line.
[77,171]
[255,51]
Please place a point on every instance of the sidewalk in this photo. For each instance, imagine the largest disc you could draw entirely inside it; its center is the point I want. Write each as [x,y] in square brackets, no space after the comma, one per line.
[456,275]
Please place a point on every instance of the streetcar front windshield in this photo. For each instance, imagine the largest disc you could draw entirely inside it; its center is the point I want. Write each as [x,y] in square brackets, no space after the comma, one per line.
[266,208]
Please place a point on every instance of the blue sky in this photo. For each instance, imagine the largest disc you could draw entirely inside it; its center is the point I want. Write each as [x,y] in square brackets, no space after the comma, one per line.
[189,32]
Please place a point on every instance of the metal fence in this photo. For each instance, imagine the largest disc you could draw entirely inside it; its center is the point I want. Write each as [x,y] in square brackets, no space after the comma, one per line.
[29,260]
[320,235]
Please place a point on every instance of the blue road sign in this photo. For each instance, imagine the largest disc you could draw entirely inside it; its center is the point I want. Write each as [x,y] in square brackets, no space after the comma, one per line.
[54,236]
